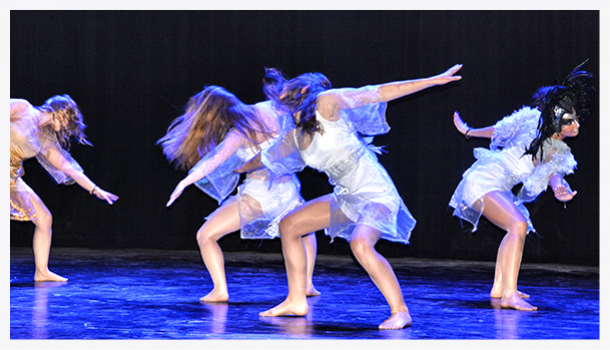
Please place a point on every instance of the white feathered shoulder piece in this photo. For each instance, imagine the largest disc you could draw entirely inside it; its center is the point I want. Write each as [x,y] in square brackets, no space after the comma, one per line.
[518,128]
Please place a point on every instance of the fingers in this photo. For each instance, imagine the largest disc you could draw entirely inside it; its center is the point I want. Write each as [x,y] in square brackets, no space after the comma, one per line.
[561,190]
[453,70]
[458,122]
[456,68]
[175,194]
[172,199]
[569,196]
[445,79]
[110,198]
[562,194]
[448,76]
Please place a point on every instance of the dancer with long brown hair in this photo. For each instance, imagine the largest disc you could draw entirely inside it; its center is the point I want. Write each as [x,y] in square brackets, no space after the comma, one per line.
[216,134]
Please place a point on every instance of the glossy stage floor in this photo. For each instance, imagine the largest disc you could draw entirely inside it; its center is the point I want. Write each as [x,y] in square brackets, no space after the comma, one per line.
[151,294]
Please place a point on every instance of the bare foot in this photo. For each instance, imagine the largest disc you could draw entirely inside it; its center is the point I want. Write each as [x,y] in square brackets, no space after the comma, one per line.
[498,295]
[286,308]
[398,320]
[48,276]
[312,291]
[515,302]
[215,297]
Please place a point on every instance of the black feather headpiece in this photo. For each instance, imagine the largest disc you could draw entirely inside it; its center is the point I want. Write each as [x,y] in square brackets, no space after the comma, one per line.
[575,91]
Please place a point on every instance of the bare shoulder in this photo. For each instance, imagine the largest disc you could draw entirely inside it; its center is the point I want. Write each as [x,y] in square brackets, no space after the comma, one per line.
[20,103]
[19,107]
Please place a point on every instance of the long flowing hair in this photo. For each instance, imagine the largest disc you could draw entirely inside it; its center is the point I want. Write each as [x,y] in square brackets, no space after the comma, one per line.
[208,117]
[66,111]
[297,96]
[575,91]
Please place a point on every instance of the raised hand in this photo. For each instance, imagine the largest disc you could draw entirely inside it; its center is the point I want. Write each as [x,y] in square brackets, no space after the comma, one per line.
[448,76]
[459,123]
[564,194]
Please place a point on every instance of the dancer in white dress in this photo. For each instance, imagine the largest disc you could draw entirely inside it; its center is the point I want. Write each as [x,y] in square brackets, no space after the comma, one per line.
[45,132]
[526,147]
[365,205]
[217,134]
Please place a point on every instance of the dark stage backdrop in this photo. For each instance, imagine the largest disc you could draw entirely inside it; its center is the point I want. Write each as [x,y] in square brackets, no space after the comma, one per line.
[132,71]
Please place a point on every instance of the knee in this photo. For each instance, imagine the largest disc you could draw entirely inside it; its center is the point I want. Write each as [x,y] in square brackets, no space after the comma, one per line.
[361,248]
[518,228]
[286,225]
[204,236]
[44,220]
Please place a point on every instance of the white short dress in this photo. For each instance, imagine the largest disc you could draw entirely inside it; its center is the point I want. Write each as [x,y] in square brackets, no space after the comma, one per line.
[263,200]
[363,193]
[504,165]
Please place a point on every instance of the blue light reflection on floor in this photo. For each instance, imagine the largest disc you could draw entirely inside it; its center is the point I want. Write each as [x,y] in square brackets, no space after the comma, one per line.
[148,294]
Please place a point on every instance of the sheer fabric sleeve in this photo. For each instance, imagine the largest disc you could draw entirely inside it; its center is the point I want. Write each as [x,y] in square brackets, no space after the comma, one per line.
[360,107]
[517,128]
[283,156]
[51,153]
[558,160]
[220,179]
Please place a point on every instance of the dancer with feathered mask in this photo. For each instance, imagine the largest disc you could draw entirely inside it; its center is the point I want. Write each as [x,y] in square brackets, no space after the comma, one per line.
[526,147]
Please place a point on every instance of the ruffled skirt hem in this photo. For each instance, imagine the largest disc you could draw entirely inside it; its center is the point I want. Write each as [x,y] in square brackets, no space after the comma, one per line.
[263,205]
[395,228]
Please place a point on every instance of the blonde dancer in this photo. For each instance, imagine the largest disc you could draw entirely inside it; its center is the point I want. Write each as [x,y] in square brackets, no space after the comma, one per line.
[45,132]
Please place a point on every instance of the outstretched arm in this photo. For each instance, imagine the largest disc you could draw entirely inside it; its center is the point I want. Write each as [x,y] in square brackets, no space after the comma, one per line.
[392,91]
[467,131]
[59,161]
[222,152]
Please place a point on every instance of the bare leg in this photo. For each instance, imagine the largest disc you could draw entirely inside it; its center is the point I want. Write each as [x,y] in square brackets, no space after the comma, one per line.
[310,217]
[221,222]
[501,211]
[498,287]
[311,250]
[41,242]
[362,243]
